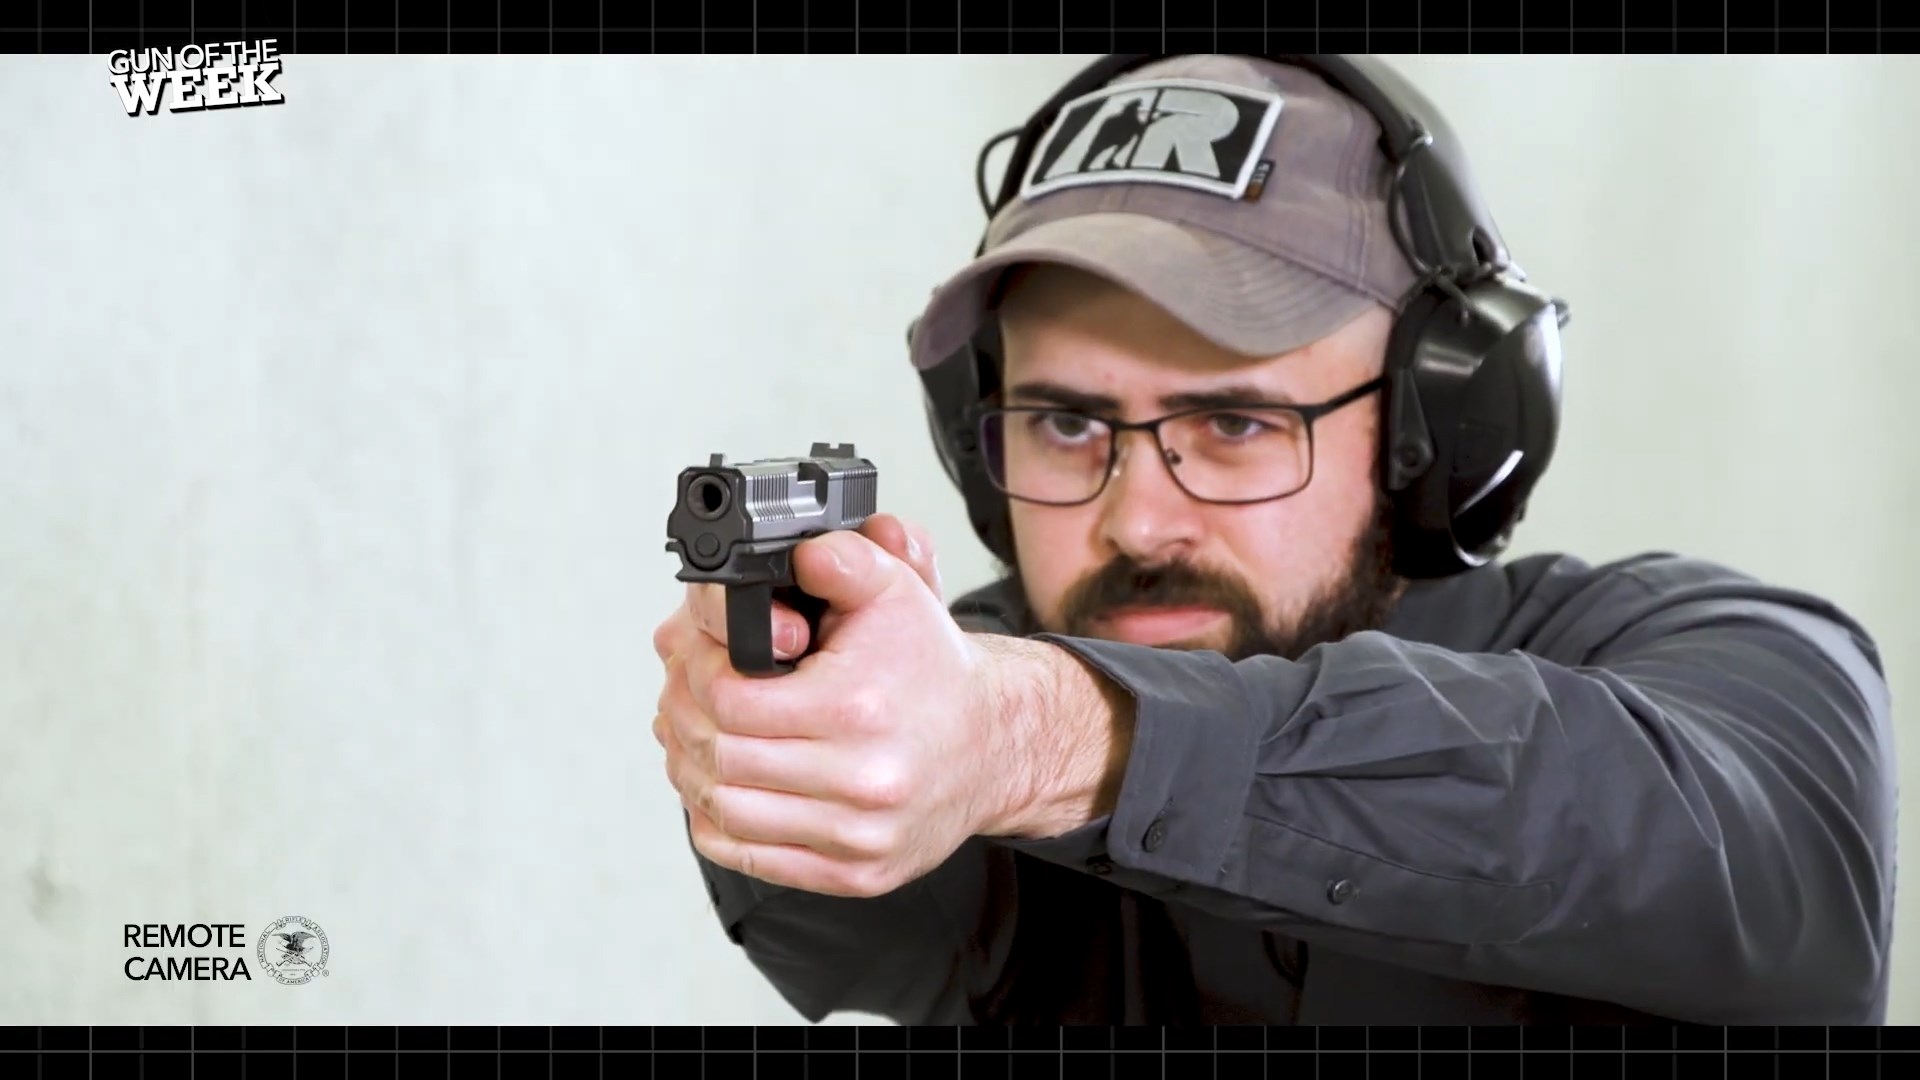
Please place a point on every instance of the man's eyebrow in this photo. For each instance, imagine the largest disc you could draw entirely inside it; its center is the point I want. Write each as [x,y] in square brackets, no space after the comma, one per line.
[1052,393]
[1237,396]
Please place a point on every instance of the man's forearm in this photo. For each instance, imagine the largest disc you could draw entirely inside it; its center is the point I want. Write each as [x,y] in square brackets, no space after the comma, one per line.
[1068,730]
[1694,821]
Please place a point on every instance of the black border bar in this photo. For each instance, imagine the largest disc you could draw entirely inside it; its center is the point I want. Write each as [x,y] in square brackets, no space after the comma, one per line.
[1677,1052]
[970,26]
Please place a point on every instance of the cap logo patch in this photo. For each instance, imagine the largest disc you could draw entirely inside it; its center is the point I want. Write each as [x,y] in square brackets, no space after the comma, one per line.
[1182,132]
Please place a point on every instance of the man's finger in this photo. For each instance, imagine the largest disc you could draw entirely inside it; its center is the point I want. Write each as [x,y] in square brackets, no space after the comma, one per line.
[772,734]
[693,732]
[696,789]
[797,766]
[909,543]
[887,531]
[759,816]
[845,569]
[673,635]
[708,603]
[920,556]
[769,708]
[779,864]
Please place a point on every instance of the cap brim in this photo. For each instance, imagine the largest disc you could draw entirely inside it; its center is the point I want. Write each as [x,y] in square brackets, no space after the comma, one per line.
[1239,297]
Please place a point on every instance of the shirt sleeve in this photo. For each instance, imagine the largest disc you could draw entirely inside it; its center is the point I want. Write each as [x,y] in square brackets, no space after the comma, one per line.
[1694,817]
[925,953]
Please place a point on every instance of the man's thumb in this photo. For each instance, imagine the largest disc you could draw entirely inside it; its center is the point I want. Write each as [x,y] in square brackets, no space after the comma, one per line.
[845,569]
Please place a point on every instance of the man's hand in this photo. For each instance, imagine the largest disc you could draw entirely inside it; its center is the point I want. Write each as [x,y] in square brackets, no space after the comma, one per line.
[903,736]
[872,761]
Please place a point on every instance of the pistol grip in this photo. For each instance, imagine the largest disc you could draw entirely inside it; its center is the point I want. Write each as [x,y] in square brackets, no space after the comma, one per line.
[750,625]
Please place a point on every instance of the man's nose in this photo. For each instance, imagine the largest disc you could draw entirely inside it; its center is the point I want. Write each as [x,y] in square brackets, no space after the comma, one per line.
[1144,511]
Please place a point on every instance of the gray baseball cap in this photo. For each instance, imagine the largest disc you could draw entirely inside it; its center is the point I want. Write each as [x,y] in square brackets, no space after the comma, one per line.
[1247,198]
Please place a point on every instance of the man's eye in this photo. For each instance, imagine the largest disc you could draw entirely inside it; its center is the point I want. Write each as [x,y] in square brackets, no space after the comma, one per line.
[1067,427]
[1235,425]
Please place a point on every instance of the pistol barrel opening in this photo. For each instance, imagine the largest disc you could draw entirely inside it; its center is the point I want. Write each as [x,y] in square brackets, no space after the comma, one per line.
[708,497]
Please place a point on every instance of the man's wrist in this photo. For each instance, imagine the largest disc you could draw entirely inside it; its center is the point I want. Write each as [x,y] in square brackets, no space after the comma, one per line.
[1066,730]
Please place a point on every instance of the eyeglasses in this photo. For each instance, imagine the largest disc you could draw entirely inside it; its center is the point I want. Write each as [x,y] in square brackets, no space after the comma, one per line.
[1229,455]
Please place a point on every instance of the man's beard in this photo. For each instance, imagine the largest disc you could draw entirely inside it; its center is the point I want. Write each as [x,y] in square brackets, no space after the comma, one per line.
[1361,599]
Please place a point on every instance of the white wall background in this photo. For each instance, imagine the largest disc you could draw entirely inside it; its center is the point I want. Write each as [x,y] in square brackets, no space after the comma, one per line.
[337,440]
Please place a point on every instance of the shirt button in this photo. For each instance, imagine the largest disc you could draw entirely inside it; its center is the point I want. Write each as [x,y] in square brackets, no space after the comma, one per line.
[1156,835]
[1100,865]
[1340,891]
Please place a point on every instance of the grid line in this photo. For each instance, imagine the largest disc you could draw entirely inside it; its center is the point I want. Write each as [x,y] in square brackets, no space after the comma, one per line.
[1134,25]
[738,1058]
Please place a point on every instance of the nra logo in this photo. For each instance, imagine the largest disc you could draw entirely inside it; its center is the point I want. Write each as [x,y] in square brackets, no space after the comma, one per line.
[1184,132]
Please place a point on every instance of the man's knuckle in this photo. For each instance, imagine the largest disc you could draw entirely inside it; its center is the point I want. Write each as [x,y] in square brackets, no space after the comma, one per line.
[864,838]
[712,613]
[722,702]
[871,879]
[881,784]
[706,844]
[709,802]
[847,838]
[843,879]
[699,740]
[864,707]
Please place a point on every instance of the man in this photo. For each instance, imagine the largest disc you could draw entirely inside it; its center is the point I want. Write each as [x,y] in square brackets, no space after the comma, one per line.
[1203,757]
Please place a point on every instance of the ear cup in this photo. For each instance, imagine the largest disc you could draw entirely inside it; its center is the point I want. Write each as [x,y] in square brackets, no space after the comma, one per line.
[1471,419]
[950,390]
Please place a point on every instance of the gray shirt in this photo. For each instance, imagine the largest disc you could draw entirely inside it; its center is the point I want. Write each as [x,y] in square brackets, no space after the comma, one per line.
[1544,792]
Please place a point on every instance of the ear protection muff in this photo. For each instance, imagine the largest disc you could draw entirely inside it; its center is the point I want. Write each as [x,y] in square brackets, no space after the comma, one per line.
[1471,411]
[952,390]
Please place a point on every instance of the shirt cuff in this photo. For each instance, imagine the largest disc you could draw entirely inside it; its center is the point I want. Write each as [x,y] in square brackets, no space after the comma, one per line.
[1183,796]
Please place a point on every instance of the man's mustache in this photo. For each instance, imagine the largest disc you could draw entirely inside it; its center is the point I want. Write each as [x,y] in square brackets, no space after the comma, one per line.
[1125,583]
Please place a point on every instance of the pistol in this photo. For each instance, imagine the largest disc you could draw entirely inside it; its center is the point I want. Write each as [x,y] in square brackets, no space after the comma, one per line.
[737,526]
